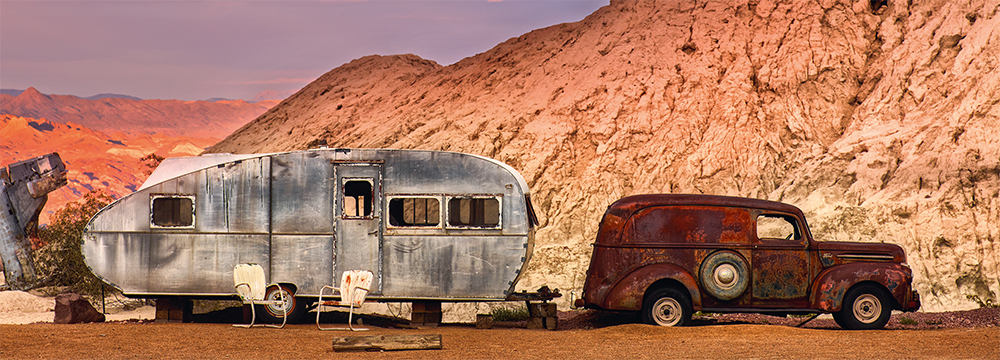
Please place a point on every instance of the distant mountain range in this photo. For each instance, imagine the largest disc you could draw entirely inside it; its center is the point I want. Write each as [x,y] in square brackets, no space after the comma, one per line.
[94,159]
[15,92]
[262,96]
[102,138]
[119,113]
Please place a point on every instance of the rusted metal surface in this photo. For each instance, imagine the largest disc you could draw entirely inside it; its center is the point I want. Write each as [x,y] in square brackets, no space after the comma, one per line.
[780,273]
[628,293]
[24,188]
[542,294]
[307,216]
[652,241]
[834,282]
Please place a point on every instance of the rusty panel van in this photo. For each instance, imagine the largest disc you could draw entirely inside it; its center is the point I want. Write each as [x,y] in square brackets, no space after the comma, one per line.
[669,255]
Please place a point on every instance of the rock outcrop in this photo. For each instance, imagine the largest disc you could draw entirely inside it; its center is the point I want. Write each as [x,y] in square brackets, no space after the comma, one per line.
[75,309]
[878,118]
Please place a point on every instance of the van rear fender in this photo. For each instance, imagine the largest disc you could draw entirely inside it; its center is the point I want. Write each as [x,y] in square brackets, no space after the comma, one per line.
[628,293]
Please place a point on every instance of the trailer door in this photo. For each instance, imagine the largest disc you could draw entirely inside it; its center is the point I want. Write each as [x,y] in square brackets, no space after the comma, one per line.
[357,212]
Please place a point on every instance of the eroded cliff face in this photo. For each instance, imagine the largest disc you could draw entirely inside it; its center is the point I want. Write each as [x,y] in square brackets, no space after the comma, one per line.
[876,118]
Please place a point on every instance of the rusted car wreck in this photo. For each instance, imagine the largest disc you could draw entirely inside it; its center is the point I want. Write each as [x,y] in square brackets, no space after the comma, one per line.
[429,225]
[669,255]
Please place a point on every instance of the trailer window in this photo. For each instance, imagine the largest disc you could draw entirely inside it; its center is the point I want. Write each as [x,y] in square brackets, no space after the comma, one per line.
[172,211]
[474,212]
[357,198]
[414,211]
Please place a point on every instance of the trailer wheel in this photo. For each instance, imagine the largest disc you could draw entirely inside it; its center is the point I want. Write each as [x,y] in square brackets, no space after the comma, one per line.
[666,307]
[865,307]
[274,313]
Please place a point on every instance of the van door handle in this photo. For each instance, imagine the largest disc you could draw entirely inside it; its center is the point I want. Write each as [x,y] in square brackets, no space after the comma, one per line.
[373,232]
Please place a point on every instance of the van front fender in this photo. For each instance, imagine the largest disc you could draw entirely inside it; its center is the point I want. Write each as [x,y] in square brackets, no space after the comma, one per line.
[628,293]
[830,286]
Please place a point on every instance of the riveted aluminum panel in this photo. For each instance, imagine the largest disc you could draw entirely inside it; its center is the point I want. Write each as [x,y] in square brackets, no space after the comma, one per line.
[201,263]
[301,193]
[121,258]
[232,197]
[304,260]
[451,266]
[128,214]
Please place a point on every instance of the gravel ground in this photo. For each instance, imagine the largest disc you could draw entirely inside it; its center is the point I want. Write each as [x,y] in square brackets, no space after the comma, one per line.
[979,318]
[588,334]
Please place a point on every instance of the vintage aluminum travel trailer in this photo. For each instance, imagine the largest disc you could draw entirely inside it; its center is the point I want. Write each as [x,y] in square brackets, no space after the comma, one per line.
[430,225]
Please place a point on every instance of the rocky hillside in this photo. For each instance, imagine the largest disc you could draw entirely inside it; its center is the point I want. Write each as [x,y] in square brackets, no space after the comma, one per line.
[203,119]
[878,118]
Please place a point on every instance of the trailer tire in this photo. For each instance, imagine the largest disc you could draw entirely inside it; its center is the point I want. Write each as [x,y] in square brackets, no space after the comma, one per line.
[274,314]
[865,307]
[666,307]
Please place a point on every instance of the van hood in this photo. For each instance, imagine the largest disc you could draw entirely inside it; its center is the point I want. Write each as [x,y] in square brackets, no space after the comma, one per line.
[836,252]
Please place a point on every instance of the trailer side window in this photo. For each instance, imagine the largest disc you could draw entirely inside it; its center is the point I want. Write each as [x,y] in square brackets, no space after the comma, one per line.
[414,211]
[357,198]
[474,212]
[173,211]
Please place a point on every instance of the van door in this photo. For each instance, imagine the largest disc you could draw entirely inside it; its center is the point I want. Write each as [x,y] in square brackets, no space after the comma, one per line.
[357,213]
[780,262]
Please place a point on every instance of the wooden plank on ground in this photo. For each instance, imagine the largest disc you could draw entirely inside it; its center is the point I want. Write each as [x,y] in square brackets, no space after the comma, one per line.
[387,342]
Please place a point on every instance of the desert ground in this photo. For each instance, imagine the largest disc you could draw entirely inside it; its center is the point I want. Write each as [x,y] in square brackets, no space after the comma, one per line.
[130,333]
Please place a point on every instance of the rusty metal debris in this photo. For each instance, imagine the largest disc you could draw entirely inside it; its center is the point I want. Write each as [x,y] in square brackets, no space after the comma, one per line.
[24,188]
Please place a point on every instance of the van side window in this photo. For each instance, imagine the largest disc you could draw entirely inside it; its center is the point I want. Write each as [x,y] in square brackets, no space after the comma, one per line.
[357,198]
[474,212]
[172,211]
[414,211]
[776,227]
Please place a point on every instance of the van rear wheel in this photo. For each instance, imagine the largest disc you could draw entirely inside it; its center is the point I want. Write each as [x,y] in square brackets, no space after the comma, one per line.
[666,307]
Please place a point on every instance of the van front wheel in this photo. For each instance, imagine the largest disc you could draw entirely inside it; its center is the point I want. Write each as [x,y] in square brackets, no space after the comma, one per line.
[865,307]
[666,307]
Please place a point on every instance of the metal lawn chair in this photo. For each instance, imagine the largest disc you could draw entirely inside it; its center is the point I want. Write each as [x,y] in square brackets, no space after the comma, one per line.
[250,286]
[354,287]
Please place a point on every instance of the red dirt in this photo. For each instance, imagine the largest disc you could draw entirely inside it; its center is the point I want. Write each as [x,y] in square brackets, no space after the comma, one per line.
[583,335]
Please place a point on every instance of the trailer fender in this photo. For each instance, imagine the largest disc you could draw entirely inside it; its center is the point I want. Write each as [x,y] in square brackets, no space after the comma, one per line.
[628,293]
[830,286]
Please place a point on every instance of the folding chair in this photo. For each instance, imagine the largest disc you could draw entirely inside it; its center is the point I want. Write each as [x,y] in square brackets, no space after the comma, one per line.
[354,287]
[250,286]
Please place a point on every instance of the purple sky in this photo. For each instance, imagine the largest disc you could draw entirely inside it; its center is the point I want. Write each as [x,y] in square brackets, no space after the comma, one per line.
[194,50]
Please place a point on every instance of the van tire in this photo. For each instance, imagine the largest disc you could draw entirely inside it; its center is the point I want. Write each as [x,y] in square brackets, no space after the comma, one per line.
[274,314]
[865,307]
[724,275]
[666,307]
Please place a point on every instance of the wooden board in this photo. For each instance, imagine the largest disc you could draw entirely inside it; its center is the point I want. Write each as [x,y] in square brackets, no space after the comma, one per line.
[387,342]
